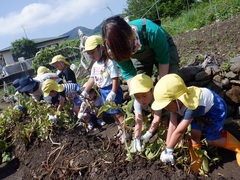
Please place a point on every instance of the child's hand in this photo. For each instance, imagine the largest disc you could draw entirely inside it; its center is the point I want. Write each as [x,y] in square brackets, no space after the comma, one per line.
[111,96]
[137,145]
[81,115]
[146,136]
[84,94]
[83,107]
[167,156]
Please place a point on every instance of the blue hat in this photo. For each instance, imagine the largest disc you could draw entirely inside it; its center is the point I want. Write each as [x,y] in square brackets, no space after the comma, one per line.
[16,83]
[26,84]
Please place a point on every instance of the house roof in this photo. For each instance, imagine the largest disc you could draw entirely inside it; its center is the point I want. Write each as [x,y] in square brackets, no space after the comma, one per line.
[38,41]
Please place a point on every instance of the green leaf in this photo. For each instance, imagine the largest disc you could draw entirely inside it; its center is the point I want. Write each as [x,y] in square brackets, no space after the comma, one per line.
[129,121]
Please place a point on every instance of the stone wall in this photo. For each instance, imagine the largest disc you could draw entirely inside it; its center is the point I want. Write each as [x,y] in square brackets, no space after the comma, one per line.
[216,77]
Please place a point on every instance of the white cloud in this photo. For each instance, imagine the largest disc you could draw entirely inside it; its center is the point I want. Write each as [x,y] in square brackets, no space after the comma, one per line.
[37,15]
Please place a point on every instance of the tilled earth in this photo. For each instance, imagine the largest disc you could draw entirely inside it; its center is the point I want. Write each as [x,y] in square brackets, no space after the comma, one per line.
[97,155]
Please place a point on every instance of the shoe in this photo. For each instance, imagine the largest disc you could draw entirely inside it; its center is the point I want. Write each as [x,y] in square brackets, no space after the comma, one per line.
[122,137]
[101,122]
[120,132]
[90,126]
[79,126]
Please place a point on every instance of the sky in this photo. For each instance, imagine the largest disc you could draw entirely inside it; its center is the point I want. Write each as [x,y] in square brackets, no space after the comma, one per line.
[34,19]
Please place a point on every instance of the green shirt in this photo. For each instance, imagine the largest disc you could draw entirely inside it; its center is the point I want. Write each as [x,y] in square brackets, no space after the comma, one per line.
[157,41]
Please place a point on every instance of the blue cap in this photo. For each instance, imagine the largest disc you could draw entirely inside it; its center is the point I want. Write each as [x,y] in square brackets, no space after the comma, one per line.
[16,83]
[26,83]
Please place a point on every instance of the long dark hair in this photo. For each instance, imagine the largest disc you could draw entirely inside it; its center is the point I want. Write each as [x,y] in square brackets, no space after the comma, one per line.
[104,57]
[116,34]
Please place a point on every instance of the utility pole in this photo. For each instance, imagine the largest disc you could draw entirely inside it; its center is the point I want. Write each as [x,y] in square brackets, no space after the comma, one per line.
[24,32]
[109,10]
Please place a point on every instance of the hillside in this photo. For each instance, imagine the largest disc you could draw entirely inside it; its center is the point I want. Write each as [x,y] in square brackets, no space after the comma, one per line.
[221,39]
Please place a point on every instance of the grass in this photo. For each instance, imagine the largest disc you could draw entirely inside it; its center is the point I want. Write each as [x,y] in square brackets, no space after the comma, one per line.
[201,14]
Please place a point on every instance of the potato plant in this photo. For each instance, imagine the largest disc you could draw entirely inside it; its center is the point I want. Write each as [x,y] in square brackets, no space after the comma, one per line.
[154,147]
[33,124]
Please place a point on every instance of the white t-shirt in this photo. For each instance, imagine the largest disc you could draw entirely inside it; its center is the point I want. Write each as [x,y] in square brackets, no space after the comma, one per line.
[41,78]
[103,74]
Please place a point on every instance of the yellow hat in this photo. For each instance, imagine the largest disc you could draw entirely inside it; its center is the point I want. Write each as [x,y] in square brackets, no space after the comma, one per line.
[59,58]
[50,85]
[171,87]
[140,83]
[92,42]
[42,70]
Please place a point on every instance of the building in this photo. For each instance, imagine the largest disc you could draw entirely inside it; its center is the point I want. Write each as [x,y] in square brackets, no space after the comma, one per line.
[16,67]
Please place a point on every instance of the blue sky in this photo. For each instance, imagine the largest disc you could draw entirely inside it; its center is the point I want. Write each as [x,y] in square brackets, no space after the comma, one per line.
[49,18]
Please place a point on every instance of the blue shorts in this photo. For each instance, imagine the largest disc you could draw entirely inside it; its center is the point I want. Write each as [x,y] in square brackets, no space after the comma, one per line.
[77,101]
[118,100]
[216,115]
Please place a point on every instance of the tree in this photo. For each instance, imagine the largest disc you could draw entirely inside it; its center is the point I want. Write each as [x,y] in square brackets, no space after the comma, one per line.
[24,48]
[154,9]
[69,49]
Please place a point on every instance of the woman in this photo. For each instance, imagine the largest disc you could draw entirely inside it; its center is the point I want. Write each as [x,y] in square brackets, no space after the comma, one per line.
[142,41]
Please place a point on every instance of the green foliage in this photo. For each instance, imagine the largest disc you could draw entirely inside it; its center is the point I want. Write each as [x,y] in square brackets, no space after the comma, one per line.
[43,58]
[152,8]
[225,66]
[68,49]
[179,16]
[36,124]
[201,14]
[24,48]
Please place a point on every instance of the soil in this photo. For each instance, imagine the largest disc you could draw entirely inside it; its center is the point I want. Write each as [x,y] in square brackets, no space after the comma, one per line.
[98,155]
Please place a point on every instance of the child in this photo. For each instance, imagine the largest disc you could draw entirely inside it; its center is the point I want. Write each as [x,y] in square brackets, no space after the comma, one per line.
[142,89]
[89,114]
[66,74]
[63,91]
[32,87]
[192,102]
[104,74]
[44,73]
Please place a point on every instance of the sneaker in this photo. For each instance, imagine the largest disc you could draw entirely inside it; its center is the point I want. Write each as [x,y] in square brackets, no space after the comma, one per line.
[101,122]
[79,126]
[90,126]
[122,137]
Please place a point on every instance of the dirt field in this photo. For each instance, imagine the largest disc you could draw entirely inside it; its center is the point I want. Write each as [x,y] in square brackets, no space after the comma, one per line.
[98,155]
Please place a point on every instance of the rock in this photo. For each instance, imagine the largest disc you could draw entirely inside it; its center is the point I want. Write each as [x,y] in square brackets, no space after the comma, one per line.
[231,75]
[188,73]
[226,83]
[235,82]
[234,94]
[235,64]
[204,75]
[215,70]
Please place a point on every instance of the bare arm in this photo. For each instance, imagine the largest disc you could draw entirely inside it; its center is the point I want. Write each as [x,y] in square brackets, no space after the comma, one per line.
[162,70]
[172,126]
[114,84]
[61,104]
[181,128]
[128,83]
[89,84]
[138,125]
[156,120]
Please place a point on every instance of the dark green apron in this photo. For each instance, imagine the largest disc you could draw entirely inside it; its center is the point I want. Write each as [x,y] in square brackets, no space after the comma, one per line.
[145,60]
